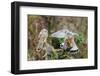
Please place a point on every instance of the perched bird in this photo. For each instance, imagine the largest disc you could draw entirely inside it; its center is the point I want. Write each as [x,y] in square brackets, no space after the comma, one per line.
[42,38]
[68,36]
[43,45]
[70,41]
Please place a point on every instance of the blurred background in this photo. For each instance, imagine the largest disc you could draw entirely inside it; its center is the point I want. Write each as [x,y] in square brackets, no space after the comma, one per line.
[76,24]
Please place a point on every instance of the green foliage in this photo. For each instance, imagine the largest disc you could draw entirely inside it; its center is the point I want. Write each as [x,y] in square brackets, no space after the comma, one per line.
[61,54]
[53,55]
[57,41]
[80,39]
